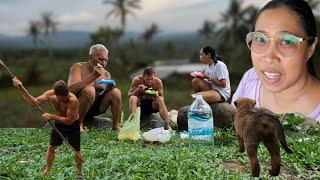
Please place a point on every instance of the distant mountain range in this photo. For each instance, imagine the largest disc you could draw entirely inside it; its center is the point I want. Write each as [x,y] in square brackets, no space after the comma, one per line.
[78,39]
[62,39]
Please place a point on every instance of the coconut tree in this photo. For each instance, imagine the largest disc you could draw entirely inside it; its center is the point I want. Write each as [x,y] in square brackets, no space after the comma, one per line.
[150,32]
[237,21]
[106,35]
[48,23]
[207,29]
[122,8]
[49,26]
[34,30]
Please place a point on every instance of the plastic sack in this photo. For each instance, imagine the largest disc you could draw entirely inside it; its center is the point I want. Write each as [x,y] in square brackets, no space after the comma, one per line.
[184,134]
[131,128]
[157,134]
[173,114]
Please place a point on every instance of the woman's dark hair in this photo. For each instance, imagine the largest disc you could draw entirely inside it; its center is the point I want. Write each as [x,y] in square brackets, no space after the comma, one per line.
[209,50]
[307,20]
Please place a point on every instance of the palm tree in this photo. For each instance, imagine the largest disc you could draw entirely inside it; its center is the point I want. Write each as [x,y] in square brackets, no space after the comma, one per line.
[106,35]
[49,25]
[34,30]
[122,8]
[207,29]
[150,32]
[237,21]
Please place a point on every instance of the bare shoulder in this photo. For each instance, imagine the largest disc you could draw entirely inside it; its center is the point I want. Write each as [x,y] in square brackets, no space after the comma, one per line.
[80,65]
[137,80]
[49,94]
[73,98]
[158,81]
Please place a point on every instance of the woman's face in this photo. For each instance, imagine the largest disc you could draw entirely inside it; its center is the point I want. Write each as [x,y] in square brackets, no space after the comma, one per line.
[276,70]
[204,58]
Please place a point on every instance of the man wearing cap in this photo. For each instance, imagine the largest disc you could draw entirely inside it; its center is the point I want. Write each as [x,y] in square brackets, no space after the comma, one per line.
[94,98]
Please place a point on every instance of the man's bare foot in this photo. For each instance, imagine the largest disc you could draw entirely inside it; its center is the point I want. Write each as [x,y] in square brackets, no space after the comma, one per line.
[83,129]
[168,127]
[45,173]
[80,176]
[116,128]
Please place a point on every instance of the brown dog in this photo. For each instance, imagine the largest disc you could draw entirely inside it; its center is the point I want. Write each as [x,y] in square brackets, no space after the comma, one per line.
[254,125]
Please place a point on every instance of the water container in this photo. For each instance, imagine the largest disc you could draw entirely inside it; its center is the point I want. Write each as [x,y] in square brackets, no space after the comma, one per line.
[200,121]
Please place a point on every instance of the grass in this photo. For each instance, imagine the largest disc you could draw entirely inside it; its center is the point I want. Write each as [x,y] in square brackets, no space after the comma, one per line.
[22,155]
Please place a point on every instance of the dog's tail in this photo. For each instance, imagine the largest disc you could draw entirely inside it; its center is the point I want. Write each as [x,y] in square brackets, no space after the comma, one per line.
[280,133]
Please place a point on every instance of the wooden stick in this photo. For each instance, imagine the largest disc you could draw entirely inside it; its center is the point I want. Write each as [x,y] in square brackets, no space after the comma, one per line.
[40,110]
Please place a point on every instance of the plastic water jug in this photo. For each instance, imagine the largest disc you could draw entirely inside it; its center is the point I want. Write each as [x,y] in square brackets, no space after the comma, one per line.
[200,121]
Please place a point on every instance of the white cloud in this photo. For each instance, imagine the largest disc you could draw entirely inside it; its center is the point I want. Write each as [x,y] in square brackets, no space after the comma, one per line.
[149,6]
[179,15]
[85,15]
[76,17]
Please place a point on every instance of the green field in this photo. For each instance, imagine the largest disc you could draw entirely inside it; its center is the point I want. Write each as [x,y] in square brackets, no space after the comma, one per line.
[22,156]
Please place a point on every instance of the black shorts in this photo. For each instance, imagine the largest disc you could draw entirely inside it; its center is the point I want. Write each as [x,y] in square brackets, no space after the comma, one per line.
[95,108]
[70,132]
[146,106]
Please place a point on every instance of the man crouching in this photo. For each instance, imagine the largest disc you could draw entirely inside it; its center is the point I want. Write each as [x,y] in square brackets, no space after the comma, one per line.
[148,103]
[66,104]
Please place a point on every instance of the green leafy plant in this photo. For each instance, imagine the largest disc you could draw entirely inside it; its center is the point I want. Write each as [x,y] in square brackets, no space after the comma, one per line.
[22,156]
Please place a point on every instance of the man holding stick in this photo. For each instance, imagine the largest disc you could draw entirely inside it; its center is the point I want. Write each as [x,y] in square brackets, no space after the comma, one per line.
[66,121]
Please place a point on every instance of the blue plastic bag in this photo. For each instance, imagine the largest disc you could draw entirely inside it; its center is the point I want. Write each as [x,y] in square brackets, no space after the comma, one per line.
[107,81]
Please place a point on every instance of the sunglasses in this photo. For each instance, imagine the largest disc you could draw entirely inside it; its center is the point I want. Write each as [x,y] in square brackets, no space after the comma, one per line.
[286,44]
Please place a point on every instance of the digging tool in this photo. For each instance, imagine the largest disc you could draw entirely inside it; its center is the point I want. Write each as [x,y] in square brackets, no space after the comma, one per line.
[40,110]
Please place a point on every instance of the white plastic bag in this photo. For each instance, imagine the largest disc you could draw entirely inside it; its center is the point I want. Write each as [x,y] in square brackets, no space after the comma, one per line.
[157,134]
[173,114]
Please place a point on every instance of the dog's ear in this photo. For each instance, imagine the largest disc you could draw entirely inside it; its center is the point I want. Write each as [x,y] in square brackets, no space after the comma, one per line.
[253,102]
[235,103]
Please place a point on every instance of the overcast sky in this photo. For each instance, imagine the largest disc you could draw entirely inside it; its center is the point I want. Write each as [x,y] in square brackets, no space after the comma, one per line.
[88,15]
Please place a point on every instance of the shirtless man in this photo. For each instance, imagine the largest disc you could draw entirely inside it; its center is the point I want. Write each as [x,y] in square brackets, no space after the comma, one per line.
[148,105]
[94,99]
[66,104]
